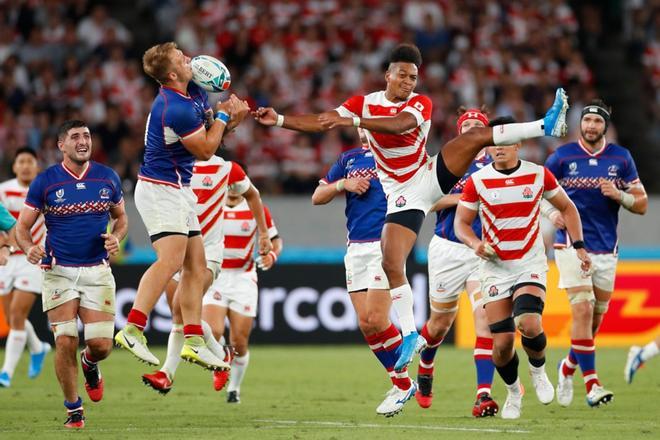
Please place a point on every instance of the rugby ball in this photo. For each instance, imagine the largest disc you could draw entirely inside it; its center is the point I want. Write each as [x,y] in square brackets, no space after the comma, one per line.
[210,73]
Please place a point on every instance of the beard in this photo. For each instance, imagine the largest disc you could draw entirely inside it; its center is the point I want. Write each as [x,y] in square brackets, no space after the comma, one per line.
[592,138]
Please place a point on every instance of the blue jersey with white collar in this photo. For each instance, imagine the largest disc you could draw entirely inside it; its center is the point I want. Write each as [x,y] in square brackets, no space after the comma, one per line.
[579,172]
[365,214]
[173,117]
[444,224]
[76,211]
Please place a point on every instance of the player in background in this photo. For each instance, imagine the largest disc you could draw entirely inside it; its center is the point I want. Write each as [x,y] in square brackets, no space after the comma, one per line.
[599,177]
[354,174]
[77,198]
[453,268]
[20,281]
[176,135]
[234,294]
[507,196]
[637,356]
[210,182]
[397,121]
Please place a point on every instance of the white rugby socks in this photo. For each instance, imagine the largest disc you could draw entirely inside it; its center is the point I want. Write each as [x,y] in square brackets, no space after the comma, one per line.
[174,347]
[402,302]
[238,368]
[34,344]
[509,134]
[216,348]
[13,350]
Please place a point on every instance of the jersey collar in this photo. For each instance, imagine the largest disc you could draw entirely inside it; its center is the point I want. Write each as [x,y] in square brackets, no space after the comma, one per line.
[88,165]
[595,153]
[178,92]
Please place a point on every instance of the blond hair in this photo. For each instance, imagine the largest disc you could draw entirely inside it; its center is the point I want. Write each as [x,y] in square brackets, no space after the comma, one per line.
[156,61]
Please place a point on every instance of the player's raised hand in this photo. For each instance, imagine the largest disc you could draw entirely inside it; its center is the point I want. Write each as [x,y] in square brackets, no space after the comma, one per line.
[265,246]
[557,220]
[584,257]
[239,108]
[608,189]
[35,254]
[357,185]
[225,107]
[265,115]
[331,120]
[111,243]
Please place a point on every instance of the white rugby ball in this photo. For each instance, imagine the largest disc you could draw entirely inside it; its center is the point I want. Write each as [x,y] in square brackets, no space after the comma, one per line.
[210,73]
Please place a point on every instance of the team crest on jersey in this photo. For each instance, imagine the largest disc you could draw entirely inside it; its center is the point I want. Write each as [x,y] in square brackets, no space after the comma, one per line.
[350,162]
[400,202]
[245,226]
[493,291]
[104,193]
[613,170]
[60,195]
[572,168]
[528,193]
[207,181]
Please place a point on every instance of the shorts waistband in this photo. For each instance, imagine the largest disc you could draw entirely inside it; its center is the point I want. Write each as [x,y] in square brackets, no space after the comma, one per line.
[451,243]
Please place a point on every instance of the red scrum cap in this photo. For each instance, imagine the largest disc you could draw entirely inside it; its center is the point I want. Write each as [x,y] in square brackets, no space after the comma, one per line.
[471,113]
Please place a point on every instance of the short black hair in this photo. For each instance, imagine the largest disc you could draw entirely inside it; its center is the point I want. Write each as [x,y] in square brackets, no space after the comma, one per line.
[502,120]
[63,130]
[598,102]
[25,150]
[406,53]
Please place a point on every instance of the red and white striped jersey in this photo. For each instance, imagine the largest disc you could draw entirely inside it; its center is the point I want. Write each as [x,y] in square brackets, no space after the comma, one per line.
[509,206]
[398,156]
[12,197]
[209,182]
[240,236]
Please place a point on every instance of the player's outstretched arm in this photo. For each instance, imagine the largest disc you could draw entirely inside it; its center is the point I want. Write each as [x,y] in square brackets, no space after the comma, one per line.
[306,123]
[398,124]
[26,220]
[326,192]
[253,199]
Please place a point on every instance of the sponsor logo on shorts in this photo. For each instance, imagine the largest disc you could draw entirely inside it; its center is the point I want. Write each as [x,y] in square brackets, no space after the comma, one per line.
[217,296]
[397,297]
[493,291]
[57,293]
[107,302]
[400,202]
[104,193]
[247,308]
[528,193]
[378,278]
[535,276]
[440,287]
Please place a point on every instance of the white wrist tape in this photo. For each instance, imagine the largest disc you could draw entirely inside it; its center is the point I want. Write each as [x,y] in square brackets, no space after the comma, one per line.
[339,186]
[627,199]
[280,120]
[356,121]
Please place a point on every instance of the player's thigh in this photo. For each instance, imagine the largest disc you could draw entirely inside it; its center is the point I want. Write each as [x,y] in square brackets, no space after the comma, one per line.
[171,251]
[64,312]
[604,272]
[195,258]
[571,275]
[396,243]
[97,288]
[6,304]
[21,304]
[359,301]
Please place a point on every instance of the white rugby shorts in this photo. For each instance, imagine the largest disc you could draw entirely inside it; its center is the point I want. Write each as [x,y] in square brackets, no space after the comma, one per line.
[93,285]
[420,192]
[164,208]
[364,267]
[235,290]
[452,265]
[500,279]
[602,275]
[20,274]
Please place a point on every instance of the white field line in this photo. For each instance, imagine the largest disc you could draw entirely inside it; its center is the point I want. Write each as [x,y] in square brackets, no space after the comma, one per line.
[319,423]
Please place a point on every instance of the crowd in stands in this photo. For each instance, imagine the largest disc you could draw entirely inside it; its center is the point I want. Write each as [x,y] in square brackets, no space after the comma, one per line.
[72,58]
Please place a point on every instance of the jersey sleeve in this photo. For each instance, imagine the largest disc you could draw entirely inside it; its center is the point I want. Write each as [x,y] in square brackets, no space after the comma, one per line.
[629,173]
[336,172]
[238,181]
[552,164]
[470,197]
[351,107]
[550,185]
[7,221]
[118,194]
[421,108]
[35,196]
[181,118]
[272,229]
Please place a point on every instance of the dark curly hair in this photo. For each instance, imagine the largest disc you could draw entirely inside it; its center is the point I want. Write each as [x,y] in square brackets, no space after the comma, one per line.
[406,53]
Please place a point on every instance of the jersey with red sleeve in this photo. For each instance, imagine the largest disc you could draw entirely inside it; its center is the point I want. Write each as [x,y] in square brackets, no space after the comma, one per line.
[12,197]
[398,156]
[240,235]
[509,207]
[210,181]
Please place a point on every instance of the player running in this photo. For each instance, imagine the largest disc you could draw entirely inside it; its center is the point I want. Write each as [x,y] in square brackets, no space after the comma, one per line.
[599,177]
[210,182]
[637,356]
[77,199]
[507,196]
[176,135]
[234,295]
[20,281]
[354,173]
[397,122]
[453,268]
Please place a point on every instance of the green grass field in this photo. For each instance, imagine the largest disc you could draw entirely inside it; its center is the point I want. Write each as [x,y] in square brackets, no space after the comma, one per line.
[326,392]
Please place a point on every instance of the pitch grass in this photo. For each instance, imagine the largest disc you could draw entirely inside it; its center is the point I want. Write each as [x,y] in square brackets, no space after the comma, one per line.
[330,392]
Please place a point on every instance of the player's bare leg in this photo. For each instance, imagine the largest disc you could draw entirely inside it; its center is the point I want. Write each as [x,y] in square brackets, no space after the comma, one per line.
[63,324]
[396,243]
[505,357]
[98,328]
[170,256]
[600,308]
[239,335]
[6,304]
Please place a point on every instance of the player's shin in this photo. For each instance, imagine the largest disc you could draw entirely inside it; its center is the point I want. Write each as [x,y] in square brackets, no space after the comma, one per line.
[238,368]
[483,362]
[510,134]
[174,346]
[13,350]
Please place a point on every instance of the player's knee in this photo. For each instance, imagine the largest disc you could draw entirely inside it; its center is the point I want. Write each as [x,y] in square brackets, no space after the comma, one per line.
[583,312]
[392,267]
[439,324]
[601,307]
[65,330]
[537,343]
[527,310]
[170,263]
[99,348]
